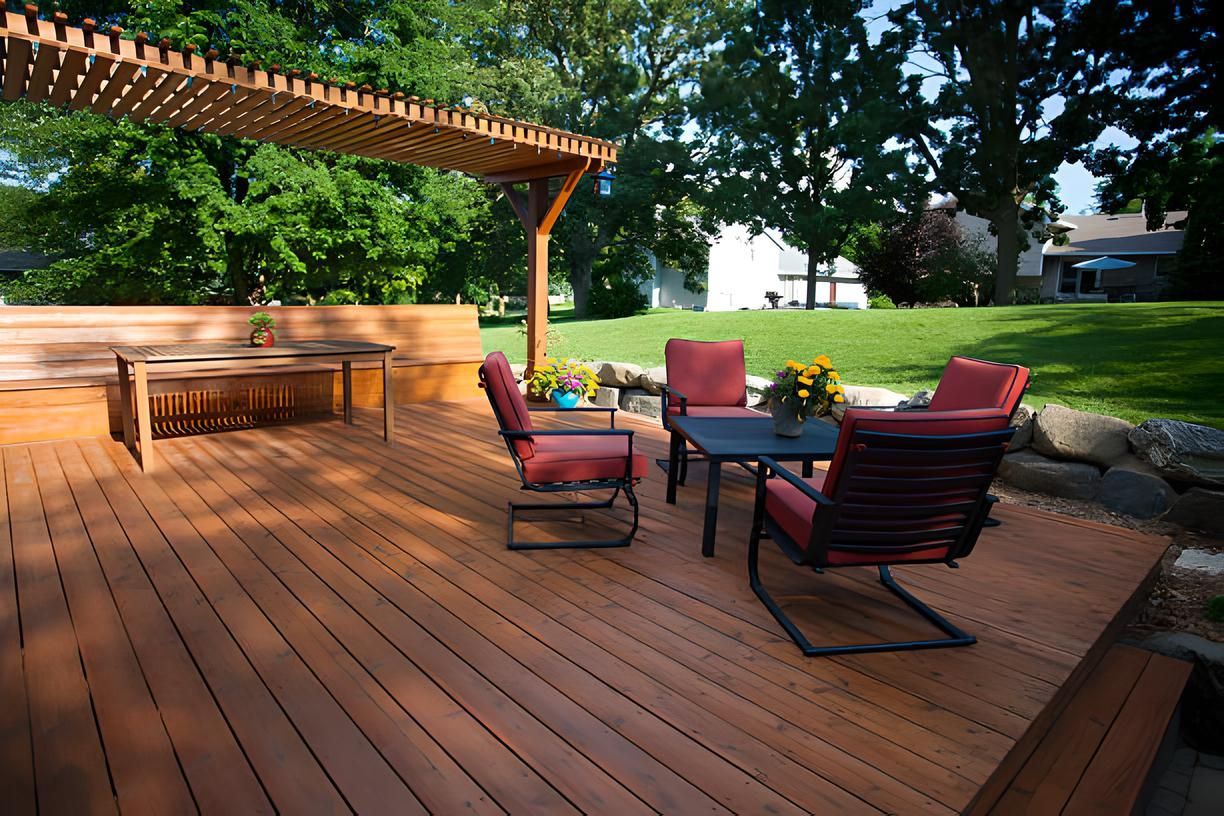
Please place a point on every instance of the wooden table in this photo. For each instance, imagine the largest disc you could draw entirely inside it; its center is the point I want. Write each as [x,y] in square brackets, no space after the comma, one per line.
[741,440]
[182,356]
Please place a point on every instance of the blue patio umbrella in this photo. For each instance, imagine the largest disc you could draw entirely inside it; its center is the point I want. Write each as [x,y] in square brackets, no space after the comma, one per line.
[1104,263]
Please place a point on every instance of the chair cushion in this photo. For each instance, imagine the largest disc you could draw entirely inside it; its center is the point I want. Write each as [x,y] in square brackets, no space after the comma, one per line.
[707,373]
[716,411]
[792,511]
[968,384]
[581,459]
[507,401]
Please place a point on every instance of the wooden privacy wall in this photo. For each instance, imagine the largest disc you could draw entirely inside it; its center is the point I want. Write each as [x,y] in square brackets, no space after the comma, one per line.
[58,377]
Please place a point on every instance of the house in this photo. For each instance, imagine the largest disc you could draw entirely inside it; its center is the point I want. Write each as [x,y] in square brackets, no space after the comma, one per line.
[1149,258]
[744,268]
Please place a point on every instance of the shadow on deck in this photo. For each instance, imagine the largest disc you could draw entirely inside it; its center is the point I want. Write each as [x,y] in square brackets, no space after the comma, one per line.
[300,619]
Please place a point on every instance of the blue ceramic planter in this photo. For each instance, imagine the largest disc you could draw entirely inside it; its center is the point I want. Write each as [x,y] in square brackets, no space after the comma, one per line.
[566,400]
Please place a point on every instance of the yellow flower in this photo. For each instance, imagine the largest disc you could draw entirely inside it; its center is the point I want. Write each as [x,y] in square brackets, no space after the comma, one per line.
[833,375]
[838,398]
[841,389]
[823,360]
[804,380]
[804,393]
[814,371]
[830,389]
[790,363]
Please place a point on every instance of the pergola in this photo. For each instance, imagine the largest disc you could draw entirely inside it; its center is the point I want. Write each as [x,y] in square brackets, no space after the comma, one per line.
[85,68]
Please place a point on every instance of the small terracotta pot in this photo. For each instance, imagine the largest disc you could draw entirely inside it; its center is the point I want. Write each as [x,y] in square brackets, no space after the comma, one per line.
[268,338]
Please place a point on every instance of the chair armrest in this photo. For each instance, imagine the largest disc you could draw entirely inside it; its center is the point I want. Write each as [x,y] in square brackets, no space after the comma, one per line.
[575,432]
[669,393]
[768,465]
[589,409]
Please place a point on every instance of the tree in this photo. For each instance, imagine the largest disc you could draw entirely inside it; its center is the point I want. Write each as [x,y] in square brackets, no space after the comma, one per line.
[1166,59]
[622,70]
[799,107]
[928,258]
[140,213]
[991,134]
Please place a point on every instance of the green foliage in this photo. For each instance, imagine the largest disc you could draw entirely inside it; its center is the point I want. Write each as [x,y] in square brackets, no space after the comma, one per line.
[564,377]
[808,389]
[879,300]
[1093,357]
[988,134]
[928,259]
[262,320]
[799,108]
[1215,609]
[616,297]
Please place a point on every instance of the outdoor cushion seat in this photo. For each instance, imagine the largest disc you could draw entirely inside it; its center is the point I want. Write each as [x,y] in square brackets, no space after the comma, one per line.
[581,459]
[902,488]
[967,383]
[561,460]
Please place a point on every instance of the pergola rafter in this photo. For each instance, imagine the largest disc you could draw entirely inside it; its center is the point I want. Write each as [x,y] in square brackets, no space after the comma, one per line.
[84,68]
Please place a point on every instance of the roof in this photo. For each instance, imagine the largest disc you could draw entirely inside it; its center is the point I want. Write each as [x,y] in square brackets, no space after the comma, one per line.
[1119,235]
[88,69]
[16,260]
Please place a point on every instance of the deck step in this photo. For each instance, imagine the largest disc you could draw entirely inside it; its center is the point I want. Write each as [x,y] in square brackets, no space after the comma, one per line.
[1098,754]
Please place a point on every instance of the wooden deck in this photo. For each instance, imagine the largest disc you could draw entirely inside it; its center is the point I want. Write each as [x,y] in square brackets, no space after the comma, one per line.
[299,619]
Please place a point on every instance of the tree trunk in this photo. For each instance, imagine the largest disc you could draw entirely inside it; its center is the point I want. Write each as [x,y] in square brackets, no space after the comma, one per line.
[1007,224]
[580,281]
[812,267]
[236,271]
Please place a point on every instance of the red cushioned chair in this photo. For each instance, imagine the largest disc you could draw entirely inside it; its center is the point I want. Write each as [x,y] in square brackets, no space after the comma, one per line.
[967,383]
[902,488]
[703,379]
[563,460]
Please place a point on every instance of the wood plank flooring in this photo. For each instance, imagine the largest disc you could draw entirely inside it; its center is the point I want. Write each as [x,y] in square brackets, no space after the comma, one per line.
[301,619]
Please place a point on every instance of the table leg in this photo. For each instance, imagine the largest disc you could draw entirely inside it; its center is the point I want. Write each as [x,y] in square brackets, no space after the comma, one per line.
[388,400]
[144,423]
[711,510]
[808,469]
[673,465]
[346,384]
[125,403]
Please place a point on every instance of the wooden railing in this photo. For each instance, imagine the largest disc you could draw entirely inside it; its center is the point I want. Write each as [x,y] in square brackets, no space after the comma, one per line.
[58,376]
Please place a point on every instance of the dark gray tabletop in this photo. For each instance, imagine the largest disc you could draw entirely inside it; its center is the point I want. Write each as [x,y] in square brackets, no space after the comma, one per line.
[742,438]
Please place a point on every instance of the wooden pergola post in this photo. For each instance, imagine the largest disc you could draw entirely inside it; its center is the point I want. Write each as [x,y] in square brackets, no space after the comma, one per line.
[538,214]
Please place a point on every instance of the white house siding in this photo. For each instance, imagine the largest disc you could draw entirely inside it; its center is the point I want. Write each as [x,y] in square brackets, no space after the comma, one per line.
[743,268]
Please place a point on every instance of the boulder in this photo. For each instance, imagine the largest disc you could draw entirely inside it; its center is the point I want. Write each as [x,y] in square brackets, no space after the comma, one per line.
[1182,451]
[869,395]
[758,390]
[619,375]
[1080,435]
[1032,471]
[607,397]
[1022,421]
[1199,509]
[1138,494]
[653,379]
[918,402]
[637,401]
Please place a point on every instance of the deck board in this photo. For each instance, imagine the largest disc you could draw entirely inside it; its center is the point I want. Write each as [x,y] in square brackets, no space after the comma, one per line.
[299,618]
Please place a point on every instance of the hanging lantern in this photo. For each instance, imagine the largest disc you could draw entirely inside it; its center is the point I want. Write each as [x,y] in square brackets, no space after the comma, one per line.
[603,182]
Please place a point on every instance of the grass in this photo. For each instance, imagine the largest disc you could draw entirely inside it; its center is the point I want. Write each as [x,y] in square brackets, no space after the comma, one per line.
[1133,360]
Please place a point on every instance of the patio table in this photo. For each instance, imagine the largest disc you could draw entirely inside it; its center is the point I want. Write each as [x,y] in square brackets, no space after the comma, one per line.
[182,356]
[741,440]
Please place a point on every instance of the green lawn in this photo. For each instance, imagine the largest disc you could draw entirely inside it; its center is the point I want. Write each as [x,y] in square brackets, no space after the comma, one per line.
[1134,361]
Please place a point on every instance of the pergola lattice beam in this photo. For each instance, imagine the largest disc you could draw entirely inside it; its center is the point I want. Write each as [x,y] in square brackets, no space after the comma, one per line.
[87,69]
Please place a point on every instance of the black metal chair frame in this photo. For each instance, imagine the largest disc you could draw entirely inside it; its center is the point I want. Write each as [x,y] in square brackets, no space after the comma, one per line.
[964,536]
[624,483]
[685,452]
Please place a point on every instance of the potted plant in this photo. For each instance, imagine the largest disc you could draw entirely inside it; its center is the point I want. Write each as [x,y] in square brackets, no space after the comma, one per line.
[800,391]
[565,382]
[262,325]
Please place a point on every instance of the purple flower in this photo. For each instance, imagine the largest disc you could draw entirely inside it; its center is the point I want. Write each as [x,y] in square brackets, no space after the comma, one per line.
[781,375]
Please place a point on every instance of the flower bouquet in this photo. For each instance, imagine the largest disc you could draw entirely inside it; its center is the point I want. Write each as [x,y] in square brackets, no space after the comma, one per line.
[800,391]
[565,382]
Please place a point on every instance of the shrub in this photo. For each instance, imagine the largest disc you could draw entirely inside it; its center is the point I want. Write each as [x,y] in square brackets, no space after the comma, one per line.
[1215,609]
[617,297]
[879,300]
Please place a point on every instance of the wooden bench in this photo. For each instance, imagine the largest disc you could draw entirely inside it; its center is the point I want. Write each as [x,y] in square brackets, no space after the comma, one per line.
[1097,756]
[58,378]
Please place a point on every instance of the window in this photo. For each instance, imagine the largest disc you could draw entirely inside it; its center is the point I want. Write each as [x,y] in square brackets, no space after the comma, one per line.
[1069,280]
